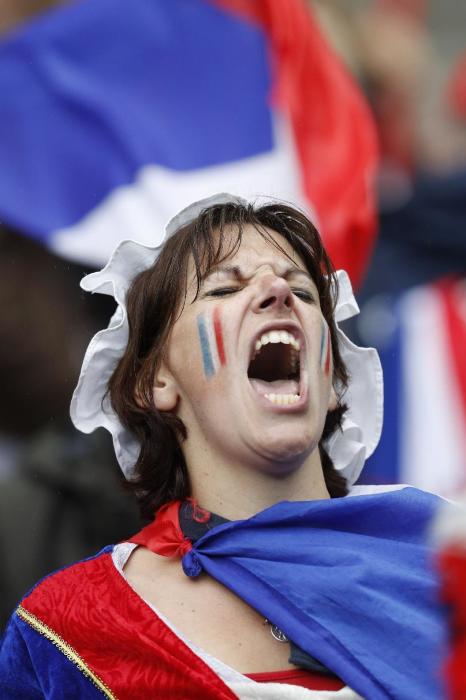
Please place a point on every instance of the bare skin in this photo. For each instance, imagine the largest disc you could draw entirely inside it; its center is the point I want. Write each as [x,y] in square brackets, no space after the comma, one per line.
[243,454]
[207,614]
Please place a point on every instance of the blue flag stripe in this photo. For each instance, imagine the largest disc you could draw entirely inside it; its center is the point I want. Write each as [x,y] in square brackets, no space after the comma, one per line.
[184,85]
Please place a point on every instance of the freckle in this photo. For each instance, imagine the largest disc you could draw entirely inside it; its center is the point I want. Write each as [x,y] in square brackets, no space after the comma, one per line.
[193,610]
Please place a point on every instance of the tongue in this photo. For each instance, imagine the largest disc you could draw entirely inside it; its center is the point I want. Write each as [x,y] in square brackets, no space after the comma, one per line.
[279,386]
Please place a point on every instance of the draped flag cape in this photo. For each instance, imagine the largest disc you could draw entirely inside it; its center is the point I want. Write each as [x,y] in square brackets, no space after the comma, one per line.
[351,581]
[115,116]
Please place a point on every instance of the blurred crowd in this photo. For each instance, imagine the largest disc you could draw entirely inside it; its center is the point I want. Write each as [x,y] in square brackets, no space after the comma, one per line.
[409,57]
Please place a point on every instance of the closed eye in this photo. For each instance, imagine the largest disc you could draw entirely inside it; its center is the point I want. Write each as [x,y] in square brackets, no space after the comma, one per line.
[222,291]
[304,295]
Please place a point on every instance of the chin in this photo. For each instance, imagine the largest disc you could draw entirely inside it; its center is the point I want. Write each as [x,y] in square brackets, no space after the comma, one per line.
[280,449]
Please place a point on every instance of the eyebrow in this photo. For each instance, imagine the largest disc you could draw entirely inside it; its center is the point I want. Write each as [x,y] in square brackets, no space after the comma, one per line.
[235,271]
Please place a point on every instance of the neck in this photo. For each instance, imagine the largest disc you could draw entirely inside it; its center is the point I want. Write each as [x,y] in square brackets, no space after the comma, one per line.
[236,492]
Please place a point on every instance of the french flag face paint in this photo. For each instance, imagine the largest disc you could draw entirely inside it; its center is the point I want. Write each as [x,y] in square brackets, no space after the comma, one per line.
[325,351]
[209,327]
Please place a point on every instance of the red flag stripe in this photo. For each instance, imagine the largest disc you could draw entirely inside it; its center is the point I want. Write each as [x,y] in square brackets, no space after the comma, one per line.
[333,128]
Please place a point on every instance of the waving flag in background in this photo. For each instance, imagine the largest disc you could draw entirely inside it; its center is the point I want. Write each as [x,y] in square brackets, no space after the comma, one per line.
[423,357]
[116,115]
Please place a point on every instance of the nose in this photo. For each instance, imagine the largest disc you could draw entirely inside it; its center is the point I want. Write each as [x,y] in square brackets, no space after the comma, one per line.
[274,294]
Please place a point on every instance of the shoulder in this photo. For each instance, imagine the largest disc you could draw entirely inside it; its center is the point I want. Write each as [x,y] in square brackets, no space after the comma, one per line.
[81,602]
[72,575]
[64,585]
[65,597]
[44,615]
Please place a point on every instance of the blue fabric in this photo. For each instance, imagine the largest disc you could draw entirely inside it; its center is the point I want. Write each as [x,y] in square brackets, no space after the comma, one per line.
[383,466]
[94,91]
[31,668]
[351,581]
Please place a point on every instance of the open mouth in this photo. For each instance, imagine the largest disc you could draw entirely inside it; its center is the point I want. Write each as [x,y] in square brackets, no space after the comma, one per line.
[275,368]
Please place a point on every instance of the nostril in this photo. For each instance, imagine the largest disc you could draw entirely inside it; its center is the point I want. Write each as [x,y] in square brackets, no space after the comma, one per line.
[268,302]
[273,300]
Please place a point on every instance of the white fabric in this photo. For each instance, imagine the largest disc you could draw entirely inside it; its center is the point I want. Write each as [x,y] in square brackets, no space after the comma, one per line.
[431,400]
[90,406]
[138,209]
[283,691]
[369,490]
[243,687]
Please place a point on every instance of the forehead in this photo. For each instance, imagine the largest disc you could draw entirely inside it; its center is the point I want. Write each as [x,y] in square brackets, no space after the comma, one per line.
[264,244]
[253,249]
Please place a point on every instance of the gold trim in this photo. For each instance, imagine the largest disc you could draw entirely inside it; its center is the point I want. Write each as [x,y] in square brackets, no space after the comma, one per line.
[65,648]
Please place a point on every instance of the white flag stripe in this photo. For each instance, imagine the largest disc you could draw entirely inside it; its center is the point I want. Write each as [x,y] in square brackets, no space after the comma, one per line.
[209,318]
[140,211]
[432,431]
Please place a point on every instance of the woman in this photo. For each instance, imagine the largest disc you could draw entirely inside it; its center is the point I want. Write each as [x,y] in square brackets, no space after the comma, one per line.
[241,416]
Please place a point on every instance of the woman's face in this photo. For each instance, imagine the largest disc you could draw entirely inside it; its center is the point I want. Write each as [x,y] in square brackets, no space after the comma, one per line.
[248,364]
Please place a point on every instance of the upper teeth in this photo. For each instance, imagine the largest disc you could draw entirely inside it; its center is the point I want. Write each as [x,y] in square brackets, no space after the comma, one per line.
[277,337]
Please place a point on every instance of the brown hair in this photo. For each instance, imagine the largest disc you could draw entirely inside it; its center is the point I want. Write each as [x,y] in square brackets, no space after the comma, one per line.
[154,300]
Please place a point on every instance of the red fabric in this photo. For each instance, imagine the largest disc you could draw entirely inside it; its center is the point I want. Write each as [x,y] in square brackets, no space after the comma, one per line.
[93,609]
[452,562]
[305,679]
[453,300]
[164,535]
[456,93]
[333,128]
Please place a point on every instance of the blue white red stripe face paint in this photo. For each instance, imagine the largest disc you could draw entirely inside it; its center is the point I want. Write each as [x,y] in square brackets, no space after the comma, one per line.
[325,352]
[209,326]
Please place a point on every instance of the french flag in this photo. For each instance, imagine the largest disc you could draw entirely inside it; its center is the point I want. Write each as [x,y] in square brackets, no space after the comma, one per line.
[115,116]
[423,356]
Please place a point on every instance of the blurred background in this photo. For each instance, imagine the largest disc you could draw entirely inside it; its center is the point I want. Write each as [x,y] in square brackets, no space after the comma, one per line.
[114,116]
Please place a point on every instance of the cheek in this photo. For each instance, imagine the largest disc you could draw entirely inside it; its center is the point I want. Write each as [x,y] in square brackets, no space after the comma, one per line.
[325,349]
[210,337]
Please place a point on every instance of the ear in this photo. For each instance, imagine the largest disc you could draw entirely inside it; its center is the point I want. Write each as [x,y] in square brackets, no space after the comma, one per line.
[165,389]
[332,399]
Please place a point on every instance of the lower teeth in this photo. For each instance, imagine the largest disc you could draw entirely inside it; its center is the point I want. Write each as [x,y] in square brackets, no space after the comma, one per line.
[282,399]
